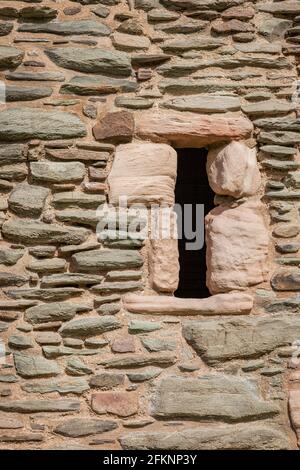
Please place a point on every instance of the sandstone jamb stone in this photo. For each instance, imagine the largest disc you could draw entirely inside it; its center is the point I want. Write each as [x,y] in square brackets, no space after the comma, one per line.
[55,311]
[222,340]
[191,130]
[40,406]
[233,170]
[233,262]
[105,260]
[220,304]
[89,326]
[145,171]
[213,396]
[81,427]
[249,436]
[35,366]
[66,28]
[27,123]
[32,232]
[119,403]
[93,60]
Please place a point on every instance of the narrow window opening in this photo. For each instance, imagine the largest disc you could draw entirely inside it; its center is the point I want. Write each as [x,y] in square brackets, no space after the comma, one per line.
[192,187]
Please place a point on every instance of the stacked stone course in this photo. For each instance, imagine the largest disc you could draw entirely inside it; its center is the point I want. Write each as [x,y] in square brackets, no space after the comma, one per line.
[99,354]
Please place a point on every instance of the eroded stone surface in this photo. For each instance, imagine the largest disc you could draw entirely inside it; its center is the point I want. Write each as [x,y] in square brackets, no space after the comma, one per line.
[143,173]
[190,130]
[237,247]
[233,171]
[213,396]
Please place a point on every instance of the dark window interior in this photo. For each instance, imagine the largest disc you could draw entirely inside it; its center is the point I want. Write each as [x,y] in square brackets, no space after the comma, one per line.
[192,188]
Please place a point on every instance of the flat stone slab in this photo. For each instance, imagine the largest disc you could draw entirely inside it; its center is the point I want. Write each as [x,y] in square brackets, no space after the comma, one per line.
[93,60]
[213,396]
[249,436]
[37,406]
[204,103]
[220,304]
[104,260]
[191,130]
[66,28]
[97,85]
[33,123]
[36,232]
[241,338]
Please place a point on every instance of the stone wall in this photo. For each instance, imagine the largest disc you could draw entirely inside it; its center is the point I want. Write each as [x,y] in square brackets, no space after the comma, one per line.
[99,354]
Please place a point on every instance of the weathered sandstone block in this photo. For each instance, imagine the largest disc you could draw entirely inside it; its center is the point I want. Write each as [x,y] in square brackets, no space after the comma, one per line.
[249,436]
[233,171]
[237,247]
[220,304]
[223,340]
[191,130]
[143,173]
[222,397]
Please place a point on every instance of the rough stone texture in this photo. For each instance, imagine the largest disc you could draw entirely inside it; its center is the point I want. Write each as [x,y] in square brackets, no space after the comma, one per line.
[28,200]
[250,436]
[219,397]
[189,130]
[233,171]
[117,127]
[91,60]
[241,337]
[25,123]
[237,247]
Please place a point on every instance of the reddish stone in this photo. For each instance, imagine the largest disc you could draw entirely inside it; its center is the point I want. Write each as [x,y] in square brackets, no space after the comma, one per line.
[117,127]
[240,13]
[232,26]
[97,174]
[123,345]
[93,187]
[118,403]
